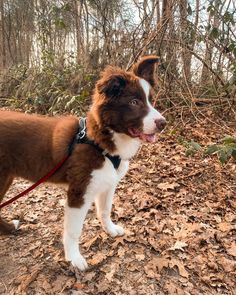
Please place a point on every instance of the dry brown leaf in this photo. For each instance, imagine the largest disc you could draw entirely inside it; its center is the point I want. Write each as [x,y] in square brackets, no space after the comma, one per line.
[179,264]
[90,242]
[154,243]
[121,252]
[227,264]
[166,186]
[173,289]
[119,240]
[60,283]
[232,250]
[160,263]
[178,246]
[97,258]
[187,230]
[78,286]
[225,226]
[150,270]
[88,276]
[103,286]
[140,257]
[28,279]
[109,275]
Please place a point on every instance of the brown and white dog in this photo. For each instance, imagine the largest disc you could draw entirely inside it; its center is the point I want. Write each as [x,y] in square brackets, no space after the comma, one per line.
[120,118]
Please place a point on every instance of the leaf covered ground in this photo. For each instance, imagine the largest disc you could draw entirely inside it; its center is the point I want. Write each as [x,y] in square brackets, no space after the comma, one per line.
[179,215]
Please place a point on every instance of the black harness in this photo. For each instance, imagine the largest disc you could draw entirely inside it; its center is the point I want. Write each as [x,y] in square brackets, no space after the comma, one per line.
[81,138]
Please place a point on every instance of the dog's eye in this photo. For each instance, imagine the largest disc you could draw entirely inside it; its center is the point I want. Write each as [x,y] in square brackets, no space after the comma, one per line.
[134,102]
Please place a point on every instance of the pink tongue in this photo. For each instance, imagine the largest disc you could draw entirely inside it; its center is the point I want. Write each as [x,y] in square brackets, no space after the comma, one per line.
[148,137]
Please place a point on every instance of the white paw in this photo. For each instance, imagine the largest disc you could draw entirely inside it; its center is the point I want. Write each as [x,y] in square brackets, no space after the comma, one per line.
[16,223]
[115,230]
[79,262]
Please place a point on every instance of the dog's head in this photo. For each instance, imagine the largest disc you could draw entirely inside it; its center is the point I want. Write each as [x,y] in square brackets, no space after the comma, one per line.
[122,100]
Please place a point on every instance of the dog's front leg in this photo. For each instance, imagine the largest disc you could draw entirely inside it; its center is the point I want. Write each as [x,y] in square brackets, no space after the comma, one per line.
[73,224]
[104,205]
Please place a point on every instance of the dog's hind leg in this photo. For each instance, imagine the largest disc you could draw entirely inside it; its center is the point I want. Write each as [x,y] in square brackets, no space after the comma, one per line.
[5,182]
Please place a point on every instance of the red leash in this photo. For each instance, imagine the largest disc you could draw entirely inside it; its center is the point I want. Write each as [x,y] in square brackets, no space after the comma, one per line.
[41,180]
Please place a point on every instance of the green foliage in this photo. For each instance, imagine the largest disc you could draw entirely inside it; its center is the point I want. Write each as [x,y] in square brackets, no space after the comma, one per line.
[225,150]
[214,34]
[229,18]
[58,86]
[232,48]
[192,147]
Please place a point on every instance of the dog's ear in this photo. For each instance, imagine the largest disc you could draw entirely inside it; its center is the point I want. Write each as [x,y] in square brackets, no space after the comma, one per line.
[112,82]
[145,68]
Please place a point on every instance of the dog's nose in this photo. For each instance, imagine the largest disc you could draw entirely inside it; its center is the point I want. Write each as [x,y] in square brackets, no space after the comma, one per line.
[161,124]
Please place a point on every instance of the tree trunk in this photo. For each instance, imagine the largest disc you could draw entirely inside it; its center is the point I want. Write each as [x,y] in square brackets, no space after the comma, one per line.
[3,47]
[78,5]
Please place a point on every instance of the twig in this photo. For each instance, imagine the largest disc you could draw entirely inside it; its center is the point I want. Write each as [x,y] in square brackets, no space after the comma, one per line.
[202,61]
[149,40]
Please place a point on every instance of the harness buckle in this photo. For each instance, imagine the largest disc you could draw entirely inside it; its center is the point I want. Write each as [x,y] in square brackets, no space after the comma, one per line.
[81,135]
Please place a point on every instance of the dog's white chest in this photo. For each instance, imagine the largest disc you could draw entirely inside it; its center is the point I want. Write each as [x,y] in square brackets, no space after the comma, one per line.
[107,177]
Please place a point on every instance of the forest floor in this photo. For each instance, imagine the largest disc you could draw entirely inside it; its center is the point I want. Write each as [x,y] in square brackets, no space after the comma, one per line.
[179,215]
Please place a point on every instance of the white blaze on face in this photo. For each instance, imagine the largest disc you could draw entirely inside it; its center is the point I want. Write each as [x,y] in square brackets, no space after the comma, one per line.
[149,125]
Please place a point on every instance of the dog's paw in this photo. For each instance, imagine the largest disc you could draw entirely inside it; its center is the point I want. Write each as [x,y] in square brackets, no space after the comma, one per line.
[115,230]
[16,223]
[79,262]
[8,228]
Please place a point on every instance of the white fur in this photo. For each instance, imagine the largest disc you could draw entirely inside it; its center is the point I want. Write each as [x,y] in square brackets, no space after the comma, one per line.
[73,224]
[104,204]
[101,188]
[126,146]
[16,223]
[149,125]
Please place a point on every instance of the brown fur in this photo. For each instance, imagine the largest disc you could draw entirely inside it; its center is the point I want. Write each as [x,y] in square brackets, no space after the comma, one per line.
[113,92]
[145,68]
[30,145]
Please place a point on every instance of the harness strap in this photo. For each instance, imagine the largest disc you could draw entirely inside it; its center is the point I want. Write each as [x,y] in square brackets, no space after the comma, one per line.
[79,138]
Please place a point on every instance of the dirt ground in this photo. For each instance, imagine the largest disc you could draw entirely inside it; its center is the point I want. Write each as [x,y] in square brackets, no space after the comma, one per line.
[179,215]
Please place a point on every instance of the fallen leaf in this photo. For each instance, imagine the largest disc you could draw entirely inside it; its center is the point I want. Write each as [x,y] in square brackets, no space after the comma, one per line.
[227,264]
[78,286]
[188,230]
[140,257]
[161,263]
[173,289]
[109,275]
[166,186]
[225,226]
[97,258]
[150,270]
[87,245]
[232,250]
[179,246]
[179,264]
[28,279]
